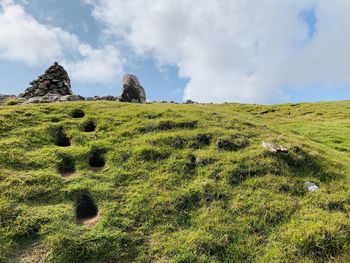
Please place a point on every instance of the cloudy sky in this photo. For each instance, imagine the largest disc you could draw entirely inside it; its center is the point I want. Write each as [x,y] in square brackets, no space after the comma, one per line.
[256,51]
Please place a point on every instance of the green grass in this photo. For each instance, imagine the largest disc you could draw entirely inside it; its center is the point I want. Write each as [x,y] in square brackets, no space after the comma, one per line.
[174,183]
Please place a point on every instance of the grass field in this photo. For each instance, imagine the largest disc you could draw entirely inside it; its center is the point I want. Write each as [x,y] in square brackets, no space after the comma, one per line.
[118,182]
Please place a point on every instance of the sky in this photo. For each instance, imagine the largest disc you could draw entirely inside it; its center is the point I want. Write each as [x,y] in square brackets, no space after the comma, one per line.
[255,51]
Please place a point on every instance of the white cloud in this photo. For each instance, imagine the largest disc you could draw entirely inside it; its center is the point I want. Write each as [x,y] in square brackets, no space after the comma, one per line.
[98,65]
[22,38]
[236,50]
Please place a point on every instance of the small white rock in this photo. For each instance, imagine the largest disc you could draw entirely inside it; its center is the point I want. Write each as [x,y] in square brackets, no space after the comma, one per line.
[275,147]
[311,186]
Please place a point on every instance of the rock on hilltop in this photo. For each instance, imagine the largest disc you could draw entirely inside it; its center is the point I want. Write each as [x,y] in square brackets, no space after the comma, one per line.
[55,80]
[132,91]
[53,85]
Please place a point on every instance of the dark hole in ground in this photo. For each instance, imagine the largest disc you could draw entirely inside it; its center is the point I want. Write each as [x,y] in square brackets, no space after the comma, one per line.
[67,165]
[191,163]
[232,144]
[77,113]
[89,126]
[169,124]
[201,140]
[31,233]
[97,158]
[55,119]
[267,111]
[61,139]
[85,207]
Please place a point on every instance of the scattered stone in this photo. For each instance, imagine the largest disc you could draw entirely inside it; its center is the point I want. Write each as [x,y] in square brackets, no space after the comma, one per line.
[10,100]
[52,85]
[132,90]
[49,97]
[52,97]
[275,147]
[312,187]
[110,98]
[4,97]
[72,98]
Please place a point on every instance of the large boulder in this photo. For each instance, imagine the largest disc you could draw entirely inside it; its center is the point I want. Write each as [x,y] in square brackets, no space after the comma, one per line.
[132,90]
[54,83]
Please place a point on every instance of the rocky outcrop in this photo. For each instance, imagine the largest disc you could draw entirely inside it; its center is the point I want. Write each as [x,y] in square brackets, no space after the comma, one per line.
[54,83]
[52,97]
[132,90]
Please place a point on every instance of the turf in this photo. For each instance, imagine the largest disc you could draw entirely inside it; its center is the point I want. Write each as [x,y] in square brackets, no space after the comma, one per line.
[118,182]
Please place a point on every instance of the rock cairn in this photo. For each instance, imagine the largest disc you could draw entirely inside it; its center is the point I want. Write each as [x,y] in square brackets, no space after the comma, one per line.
[132,91]
[55,81]
[54,85]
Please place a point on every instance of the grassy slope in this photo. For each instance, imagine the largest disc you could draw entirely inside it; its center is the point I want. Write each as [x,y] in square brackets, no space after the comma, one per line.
[182,183]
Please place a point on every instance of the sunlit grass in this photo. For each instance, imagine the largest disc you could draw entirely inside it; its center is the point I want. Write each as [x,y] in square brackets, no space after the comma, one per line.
[175,183]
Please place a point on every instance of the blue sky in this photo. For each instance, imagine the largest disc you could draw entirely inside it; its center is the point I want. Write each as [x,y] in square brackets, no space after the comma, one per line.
[76,17]
[293,51]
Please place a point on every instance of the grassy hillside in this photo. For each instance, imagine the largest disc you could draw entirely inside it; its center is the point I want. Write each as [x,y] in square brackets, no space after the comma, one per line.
[113,182]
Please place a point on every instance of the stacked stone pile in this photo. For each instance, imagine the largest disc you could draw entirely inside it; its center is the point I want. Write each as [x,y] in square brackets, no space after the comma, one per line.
[55,81]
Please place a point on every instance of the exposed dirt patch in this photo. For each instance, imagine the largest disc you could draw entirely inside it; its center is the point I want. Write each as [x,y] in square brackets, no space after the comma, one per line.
[66,166]
[35,252]
[68,175]
[89,222]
